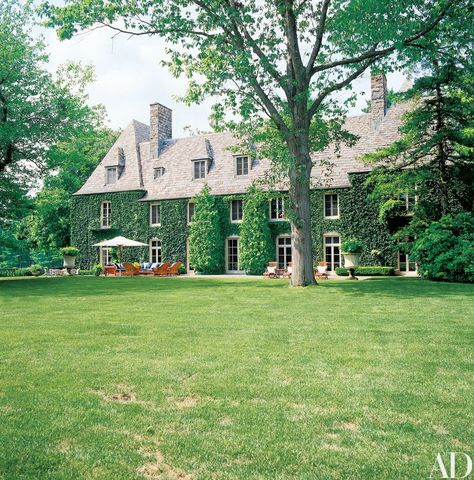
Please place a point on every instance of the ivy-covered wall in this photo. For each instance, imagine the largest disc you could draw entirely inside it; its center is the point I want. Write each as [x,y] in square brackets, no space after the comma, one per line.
[130,218]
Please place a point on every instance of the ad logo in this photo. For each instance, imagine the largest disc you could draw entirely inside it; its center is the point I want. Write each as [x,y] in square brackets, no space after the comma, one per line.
[459,465]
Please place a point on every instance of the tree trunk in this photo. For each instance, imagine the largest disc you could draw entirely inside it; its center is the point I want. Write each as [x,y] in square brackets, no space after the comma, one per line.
[300,178]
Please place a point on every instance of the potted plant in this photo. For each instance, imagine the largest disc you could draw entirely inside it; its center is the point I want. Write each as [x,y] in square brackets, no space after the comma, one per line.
[98,270]
[36,270]
[351,249]
[69,256]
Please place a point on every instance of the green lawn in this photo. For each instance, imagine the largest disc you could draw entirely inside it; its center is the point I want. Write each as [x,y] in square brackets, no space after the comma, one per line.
[124,378]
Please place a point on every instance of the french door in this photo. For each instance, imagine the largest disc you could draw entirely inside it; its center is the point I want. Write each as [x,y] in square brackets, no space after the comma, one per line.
[283,251]
[405,265]
[332,251]
[232,255]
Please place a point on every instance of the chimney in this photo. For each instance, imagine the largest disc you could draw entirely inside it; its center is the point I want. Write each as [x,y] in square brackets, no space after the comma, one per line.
[161,127]
[378,84]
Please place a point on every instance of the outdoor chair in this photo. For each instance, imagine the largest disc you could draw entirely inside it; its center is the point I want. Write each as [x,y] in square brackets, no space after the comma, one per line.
[110,270]
[288,271]
[321,270]
[270,272]
[174,269]
[162,270]
[131,269]
[146,268]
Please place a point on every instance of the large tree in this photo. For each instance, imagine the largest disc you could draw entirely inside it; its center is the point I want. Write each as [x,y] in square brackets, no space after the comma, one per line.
[282,59]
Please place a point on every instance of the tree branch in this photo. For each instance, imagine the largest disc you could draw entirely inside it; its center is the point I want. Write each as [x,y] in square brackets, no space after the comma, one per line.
[319,37]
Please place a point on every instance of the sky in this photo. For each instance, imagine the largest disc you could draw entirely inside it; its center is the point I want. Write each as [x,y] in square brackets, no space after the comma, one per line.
[129,76]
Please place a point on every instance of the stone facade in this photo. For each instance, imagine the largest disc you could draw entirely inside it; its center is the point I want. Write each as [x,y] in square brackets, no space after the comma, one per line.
[378,107]
[161,127]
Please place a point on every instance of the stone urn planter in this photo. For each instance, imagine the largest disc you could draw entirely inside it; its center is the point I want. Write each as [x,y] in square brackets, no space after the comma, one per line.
[351,249]
[69,258]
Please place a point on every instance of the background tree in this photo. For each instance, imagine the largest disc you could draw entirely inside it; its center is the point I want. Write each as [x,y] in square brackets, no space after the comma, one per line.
[256,246]
[435,154]
[276,59]
[206,243]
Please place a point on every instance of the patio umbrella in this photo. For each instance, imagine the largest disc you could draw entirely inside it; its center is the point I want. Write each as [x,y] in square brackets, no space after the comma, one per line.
[120,242]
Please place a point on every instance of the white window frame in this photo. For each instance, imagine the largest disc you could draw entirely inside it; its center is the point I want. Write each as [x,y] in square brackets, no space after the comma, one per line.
[105,220]
[105,255]
[330,264]
[278,200]
[285,255]
[233,237]
[188,215]
[242,158]
[156,170]
[231,210]
[107,170]
[326,195]
[194,169]
[159,249]
[151,214]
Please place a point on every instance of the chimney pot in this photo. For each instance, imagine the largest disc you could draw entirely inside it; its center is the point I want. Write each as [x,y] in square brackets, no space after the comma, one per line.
[161,127]
[378,83]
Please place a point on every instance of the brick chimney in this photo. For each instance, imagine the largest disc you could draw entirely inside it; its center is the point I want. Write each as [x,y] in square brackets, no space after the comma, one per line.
[378,108]
[161,127]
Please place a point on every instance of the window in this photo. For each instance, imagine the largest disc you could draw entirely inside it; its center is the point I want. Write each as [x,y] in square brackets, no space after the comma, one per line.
[155,214]
[332,254]
[331,205]
[241,165]
[110,175]
[236,211]
[233,261]
[277,209]
[199,169]
[105,215]
[105,255]
[155,250]
[191,211]
[409,201]
[405,264]
[158,172]
[283,251]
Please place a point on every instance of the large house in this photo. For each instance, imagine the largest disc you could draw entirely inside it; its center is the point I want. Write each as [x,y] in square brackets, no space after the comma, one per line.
[144,188]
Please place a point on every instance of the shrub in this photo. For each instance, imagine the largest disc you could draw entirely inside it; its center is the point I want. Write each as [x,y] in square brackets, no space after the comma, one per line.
[256,246]
[36,269]
[206,242]
[351,245]
[98,270]
[70,251]
[445,250]
[86,272]
[370,271]
[182,270]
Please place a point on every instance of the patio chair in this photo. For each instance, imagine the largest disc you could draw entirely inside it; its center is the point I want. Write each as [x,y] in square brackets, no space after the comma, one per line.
[131,269]
[146,268]
[288,271]
[162,270]
[270,271]
[174,269]
[321,271]
[110,270]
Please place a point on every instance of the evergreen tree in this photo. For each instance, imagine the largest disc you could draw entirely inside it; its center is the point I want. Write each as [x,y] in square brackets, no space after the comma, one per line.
[256,246]
[206,242]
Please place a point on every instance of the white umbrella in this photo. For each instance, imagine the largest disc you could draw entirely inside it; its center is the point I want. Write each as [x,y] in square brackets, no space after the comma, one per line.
[120,242]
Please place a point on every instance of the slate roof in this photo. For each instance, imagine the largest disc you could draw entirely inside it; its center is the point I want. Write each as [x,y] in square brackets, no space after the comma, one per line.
[176,156]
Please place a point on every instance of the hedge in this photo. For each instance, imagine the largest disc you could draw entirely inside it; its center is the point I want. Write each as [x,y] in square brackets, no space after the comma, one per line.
[370,271]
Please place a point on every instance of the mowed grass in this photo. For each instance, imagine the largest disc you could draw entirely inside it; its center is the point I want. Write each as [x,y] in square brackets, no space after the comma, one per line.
[125,378]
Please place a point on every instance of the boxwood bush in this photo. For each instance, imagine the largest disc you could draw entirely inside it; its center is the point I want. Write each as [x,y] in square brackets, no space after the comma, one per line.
[373,271]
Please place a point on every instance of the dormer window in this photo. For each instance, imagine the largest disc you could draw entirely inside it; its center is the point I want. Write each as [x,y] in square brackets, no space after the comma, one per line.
[199,169]
[158,172]
[241,165]
[110,175]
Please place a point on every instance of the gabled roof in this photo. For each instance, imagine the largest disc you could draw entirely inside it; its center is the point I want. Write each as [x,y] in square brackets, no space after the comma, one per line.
[331,167]
[125,153]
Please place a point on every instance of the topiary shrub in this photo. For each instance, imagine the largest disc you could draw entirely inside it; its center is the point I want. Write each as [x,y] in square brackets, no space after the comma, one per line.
[86,272]
[445,250]
[256,245]
[70,251]
[98,270]
[206,242]
[369,271]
